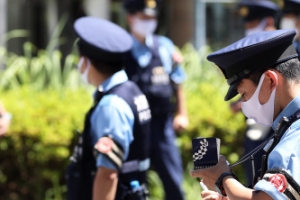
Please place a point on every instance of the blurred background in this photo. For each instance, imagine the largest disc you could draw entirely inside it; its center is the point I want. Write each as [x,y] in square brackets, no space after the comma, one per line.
[199,22]
[41,88]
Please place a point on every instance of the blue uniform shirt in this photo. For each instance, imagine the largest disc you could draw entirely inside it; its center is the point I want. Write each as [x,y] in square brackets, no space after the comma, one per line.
[286,155]
[114,117]
[143,56]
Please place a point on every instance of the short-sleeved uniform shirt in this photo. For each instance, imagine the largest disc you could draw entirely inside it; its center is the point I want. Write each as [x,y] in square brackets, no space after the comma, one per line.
[143,56]
[286,155]
[112,116]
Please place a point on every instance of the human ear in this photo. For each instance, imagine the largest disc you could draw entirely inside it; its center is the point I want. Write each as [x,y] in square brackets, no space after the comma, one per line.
[129,18]
[273,77]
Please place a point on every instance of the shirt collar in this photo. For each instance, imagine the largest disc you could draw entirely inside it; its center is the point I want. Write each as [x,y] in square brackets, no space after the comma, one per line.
[116,79]
[148,42]
[289,110]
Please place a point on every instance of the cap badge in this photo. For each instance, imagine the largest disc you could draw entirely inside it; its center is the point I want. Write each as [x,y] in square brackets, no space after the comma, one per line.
[151,4]
[158,70]
[246,71]
[281,4]
[244,11]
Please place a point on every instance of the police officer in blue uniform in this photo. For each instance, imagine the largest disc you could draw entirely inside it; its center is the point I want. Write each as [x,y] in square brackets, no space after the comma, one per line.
[154,65]
[264,69]
[291,19]
[112,154]
[257,16]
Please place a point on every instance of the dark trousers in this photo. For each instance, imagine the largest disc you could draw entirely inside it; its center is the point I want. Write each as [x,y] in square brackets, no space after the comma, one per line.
[165,156]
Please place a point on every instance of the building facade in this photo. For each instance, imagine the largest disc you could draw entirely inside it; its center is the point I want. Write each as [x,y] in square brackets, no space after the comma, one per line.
[200,22]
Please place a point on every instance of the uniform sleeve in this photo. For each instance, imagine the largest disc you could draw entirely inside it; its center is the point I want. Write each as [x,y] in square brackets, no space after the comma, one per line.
[114,117]
[286,156]
[166,51]
[270,189]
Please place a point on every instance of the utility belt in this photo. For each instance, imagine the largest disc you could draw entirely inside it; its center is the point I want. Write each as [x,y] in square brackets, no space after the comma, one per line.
[128,193]
[135,166]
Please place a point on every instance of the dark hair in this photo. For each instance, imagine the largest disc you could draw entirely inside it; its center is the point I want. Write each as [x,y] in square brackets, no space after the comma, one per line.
[106,68]
[290,70]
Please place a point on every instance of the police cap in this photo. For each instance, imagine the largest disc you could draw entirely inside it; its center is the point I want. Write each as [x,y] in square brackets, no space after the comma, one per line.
[257,9]
[253,53]
[102,40]
[149,7]
[290,6]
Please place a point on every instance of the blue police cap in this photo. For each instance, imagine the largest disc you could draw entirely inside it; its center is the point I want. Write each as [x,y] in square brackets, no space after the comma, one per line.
[102,40]
[257,9]
[253,53]
[149,7]
[290,6]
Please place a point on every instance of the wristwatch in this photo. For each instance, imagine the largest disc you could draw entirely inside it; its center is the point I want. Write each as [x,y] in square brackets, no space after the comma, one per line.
[219,185]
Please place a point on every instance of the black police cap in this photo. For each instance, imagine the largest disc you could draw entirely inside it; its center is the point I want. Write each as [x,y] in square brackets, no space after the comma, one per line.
[102,40]
[290,6]
[252,53]
[257,9]
[149,7]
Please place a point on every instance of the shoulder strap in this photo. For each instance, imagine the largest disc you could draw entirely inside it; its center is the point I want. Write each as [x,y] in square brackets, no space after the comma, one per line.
[282,126]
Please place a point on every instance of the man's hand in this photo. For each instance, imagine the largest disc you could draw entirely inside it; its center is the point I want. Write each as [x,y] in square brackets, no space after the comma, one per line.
[4,120]
[212,195]
[210,175]
[4,123]
[180,122]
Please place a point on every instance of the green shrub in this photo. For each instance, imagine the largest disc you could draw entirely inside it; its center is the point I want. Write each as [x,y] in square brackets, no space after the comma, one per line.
[35,153]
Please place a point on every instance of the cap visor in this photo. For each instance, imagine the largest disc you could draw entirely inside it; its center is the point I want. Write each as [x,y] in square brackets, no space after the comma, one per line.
[232,92]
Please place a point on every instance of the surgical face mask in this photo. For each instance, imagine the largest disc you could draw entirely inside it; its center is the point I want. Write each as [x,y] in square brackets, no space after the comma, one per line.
[84,75]
[287,23]
[261,114]
[144,27]
[259,28]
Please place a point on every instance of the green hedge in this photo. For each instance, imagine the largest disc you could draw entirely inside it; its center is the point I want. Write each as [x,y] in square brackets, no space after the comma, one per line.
[46,116]
[35,152]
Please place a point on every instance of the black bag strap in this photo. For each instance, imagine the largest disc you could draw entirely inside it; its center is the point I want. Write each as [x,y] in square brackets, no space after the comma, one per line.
[282,126]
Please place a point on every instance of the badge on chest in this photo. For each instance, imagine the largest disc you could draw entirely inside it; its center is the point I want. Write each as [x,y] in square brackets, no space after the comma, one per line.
[159,76]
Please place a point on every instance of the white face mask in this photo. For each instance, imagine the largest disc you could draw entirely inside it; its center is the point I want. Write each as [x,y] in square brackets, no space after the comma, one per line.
[261,114]
[144,27]
[259,28]
[287,23]
[84,75]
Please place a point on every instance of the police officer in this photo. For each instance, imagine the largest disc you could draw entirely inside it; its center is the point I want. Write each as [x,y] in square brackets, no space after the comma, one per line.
[257,16]
[153,64]
[291,19]
[112,152]
[264,69]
